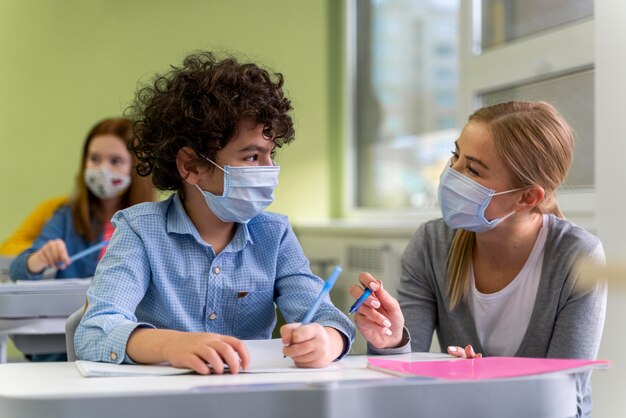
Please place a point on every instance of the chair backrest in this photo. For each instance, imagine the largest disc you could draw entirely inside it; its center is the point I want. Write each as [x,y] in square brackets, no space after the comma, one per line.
[71,323]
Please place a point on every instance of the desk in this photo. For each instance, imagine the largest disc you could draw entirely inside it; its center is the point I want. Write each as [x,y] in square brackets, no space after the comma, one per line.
[33,313]
[55,390]
[5,265]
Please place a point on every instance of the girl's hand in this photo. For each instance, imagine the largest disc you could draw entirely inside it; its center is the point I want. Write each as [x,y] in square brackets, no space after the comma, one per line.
[52,254]
[467,352]
[311,345]
[379,319]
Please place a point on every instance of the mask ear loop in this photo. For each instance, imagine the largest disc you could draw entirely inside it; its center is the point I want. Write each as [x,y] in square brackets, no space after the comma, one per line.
[515,210]
[511,191]
[486,203]
[214,163]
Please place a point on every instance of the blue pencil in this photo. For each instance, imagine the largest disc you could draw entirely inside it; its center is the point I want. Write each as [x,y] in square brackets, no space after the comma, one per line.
[90,250]
[325,290]
[360,301]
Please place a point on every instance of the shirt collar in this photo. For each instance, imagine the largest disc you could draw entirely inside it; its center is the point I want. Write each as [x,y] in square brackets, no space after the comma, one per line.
[178,222]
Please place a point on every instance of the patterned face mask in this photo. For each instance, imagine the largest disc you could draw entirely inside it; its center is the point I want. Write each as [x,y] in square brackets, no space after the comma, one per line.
[104,183]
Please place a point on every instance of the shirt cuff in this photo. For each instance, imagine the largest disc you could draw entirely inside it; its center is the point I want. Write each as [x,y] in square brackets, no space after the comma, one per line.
[402,348]
[346,346]
[115,350]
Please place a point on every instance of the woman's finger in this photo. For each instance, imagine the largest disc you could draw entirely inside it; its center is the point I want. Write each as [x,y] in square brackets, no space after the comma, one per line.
[456,351]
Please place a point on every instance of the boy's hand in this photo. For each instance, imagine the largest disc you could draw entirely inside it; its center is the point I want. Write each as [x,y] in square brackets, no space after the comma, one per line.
[203,352]
[311,345]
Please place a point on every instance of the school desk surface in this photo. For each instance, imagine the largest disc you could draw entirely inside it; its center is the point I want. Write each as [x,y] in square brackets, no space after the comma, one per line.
[55,390]
[33,313]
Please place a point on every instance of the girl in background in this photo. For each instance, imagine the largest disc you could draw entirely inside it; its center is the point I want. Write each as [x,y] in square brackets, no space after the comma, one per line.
[106,183]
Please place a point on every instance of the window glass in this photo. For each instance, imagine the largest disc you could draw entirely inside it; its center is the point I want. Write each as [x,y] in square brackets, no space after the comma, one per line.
[572,95]
[405,100]
[507,20]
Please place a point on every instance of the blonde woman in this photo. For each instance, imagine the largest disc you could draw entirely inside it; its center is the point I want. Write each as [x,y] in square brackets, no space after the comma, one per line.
[494,276]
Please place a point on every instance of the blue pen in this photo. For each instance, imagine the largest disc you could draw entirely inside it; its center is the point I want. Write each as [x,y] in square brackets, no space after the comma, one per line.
[325,290]
[87,251]
[360,301]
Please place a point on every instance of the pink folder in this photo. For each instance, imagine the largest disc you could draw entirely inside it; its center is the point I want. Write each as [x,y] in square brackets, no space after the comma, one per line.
[483,368]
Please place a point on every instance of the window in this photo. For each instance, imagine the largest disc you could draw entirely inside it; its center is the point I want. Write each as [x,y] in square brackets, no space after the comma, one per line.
[404,100]
[418,68]
[504,21]
[536,50]
[573,95]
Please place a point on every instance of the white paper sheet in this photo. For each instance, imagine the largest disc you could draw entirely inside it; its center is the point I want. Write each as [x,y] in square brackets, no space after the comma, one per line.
[266,356]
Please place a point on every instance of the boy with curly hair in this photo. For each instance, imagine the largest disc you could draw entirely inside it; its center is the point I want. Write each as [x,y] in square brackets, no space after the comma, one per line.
[186,280]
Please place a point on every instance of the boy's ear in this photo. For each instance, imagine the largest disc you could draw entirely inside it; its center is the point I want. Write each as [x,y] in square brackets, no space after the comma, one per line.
[186,162]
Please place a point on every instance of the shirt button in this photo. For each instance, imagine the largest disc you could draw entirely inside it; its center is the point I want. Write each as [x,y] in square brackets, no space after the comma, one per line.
[217,270]
[213,316]
[113,356]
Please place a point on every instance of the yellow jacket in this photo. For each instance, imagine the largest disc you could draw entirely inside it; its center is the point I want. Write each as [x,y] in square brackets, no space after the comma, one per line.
[30,228]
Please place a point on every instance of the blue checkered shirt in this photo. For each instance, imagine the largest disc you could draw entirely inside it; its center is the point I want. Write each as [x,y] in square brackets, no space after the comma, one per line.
[159,273]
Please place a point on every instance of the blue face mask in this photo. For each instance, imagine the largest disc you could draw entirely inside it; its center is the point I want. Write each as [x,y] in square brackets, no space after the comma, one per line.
[247,191]
[463,202]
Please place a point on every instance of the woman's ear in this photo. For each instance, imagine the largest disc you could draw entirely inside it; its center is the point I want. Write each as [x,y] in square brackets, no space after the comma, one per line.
[186,162]
[532,197]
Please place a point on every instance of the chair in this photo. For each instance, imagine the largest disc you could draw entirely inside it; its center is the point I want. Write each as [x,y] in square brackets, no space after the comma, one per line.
[71,323]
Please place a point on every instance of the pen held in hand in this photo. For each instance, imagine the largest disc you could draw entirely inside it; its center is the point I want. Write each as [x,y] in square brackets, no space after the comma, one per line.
[328,285]
[325,290]
[87,251]
[360,301]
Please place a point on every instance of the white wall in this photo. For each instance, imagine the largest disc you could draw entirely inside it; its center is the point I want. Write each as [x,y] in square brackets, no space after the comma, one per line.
[609,394]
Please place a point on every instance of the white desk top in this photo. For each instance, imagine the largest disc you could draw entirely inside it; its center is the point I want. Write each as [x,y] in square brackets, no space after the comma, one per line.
[42,298]
[33,313]
[54,390]
[36,380]
[54,286]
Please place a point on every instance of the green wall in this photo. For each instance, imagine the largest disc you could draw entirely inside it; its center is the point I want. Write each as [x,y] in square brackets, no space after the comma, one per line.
[65,64]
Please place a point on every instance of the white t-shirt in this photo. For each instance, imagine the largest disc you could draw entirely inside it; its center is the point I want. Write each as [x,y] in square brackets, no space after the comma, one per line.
[501,318]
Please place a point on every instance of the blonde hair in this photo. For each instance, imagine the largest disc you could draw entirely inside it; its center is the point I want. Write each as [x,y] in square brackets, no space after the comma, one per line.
[536,145]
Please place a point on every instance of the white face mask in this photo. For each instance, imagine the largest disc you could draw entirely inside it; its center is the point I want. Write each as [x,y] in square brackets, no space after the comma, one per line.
[463,202]
[247,192]
[104,183]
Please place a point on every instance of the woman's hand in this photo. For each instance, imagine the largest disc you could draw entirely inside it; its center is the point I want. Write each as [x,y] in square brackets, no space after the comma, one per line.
[467,352]
[379,319]
[203,352]
[52,254]
[311,345]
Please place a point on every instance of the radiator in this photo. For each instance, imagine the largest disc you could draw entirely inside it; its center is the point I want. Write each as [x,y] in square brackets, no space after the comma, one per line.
[358,250]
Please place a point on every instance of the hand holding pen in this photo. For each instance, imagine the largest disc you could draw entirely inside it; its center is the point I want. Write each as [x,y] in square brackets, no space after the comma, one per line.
[378,315]
[54,254]
[311,344]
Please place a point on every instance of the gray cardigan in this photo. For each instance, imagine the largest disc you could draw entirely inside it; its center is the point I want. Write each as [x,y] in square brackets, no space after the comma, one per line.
[565,322]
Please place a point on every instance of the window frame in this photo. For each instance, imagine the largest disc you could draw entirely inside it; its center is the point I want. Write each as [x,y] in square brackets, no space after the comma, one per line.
[552,56]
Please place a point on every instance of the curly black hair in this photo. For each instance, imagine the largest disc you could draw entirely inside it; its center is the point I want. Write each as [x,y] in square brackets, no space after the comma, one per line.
[199,105]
